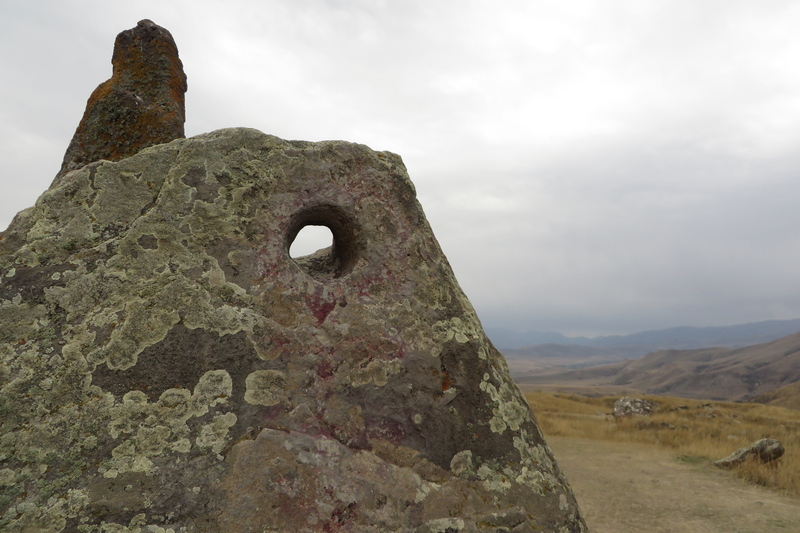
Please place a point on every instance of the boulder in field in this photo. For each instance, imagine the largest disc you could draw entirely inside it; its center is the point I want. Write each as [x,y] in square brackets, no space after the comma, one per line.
[627,406]
[764,450]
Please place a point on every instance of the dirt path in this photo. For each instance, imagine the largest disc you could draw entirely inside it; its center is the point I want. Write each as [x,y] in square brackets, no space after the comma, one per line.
[631,488]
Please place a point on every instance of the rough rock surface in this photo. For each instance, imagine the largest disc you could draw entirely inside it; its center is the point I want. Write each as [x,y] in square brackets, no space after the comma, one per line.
[627,406]
[167,366]
[765,450]
[141,105]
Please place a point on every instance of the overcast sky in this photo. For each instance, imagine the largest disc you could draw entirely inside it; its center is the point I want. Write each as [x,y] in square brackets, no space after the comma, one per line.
[589,167]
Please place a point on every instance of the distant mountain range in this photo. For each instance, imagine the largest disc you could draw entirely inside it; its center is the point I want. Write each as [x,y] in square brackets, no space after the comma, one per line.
[681,338]
[524,354]
[709,373]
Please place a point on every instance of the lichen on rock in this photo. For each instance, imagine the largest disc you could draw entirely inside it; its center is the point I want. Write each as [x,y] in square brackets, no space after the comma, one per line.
[166,366]
[169,343]
[141,105]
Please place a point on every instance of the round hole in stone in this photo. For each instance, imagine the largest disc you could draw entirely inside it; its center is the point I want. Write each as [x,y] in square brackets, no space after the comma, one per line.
[330,249]
[310,240]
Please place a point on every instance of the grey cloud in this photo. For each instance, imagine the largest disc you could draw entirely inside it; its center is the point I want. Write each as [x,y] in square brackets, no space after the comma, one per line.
[586,168]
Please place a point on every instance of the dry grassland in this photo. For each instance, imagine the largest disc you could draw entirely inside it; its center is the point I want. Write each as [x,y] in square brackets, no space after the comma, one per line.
[695,431]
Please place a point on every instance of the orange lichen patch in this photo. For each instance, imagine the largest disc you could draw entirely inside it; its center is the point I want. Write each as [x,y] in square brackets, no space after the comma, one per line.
[141,105]
[149,60]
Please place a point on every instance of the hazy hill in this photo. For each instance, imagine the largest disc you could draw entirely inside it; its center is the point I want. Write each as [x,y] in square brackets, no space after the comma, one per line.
[788,396]
[682,338]
[550,355]
[553,349]
[711,373]
[504,338]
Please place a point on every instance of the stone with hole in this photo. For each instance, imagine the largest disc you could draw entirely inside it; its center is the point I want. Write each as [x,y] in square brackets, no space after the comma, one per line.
[166,365]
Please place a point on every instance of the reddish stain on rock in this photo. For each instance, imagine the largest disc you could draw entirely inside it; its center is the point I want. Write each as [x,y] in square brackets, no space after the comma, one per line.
[445,381]
[141,105]
[320,306]
[325,370]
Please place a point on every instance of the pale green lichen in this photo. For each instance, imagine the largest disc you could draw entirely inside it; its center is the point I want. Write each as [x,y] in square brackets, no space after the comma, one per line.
[214,436]
[49,518]
[507,409]
[536,454]
[7,476]
[423,490]
[214,387]
[533,478]
[537,465]
[462,463]
[376,372]
[149,429]
[445,525]
[127,458]
[138,524]
[494,480]
[462,329]
[146,324]
[265,387]
[483,352]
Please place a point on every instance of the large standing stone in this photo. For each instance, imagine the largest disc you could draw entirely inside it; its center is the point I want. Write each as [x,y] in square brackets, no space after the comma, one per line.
[140,106]
[166,364]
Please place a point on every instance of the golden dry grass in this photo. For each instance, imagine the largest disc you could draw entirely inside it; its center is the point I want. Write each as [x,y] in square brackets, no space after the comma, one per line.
[696,430]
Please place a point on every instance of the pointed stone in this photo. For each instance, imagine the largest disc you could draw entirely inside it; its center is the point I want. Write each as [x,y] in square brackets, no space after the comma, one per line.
[140,106]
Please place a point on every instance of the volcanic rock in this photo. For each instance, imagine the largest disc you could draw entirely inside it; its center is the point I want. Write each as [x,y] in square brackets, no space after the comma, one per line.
[140,106]
[167,366]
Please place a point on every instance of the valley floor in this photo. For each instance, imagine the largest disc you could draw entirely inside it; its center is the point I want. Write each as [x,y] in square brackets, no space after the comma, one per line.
[630,488]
